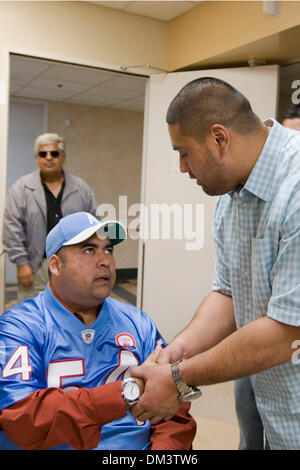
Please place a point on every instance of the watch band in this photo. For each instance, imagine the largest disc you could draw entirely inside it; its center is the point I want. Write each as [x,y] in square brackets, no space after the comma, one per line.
[186,393]
[182,387]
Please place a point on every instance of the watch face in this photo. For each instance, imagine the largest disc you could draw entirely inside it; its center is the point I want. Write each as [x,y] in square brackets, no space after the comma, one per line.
[191,396]
[131,391]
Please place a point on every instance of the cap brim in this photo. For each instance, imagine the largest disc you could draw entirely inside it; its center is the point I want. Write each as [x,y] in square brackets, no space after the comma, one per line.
[112,229]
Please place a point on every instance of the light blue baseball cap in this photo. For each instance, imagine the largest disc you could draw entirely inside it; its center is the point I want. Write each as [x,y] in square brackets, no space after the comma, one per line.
[78,227]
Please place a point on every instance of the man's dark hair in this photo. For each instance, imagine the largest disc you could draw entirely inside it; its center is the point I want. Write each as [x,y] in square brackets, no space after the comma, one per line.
[292,112]
[207,101]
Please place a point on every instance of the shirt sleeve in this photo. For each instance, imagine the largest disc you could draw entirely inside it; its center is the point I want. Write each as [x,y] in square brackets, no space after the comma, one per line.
[92,207]
[175,434]
[284,304]
[51,417]
[222,280]
[90,200]
[14,238]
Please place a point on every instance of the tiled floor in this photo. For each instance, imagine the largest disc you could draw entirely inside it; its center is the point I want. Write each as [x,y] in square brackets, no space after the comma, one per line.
[10,296]
[217,427]
[125,291]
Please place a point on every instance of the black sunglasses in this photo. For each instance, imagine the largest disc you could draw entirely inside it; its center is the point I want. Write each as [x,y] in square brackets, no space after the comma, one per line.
[53,153]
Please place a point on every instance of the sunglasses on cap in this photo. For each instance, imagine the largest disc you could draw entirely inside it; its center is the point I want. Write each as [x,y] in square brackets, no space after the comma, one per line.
[53,153]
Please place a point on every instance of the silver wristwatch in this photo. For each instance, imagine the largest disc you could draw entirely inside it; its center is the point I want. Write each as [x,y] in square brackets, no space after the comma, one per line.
[186,393]
[131,391]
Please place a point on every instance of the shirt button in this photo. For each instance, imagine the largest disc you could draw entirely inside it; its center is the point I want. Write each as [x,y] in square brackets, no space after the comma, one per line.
[246,273]
[244,204]
[244,239]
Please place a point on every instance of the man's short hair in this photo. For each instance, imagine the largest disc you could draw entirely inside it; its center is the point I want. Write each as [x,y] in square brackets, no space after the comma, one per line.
[292,112]
[48,138]
[207,101]
[61,253]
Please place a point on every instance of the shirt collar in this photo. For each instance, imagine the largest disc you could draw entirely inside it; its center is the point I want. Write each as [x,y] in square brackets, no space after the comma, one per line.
[266,164]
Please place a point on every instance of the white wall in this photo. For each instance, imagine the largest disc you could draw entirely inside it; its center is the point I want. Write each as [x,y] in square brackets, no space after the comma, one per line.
[175,278]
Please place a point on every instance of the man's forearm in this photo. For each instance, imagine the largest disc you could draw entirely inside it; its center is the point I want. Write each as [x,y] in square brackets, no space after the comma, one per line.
[258,346]
[213,321]
[51,417]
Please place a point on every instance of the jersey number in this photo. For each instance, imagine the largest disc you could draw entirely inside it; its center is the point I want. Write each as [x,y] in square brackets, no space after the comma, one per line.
[18,364]
[127,360]
[59,370]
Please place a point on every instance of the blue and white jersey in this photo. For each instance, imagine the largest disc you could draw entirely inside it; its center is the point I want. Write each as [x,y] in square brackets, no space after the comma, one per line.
[43,344]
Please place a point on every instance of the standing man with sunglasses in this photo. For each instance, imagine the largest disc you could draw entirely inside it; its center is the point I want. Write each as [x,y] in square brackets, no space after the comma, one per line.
[34,205]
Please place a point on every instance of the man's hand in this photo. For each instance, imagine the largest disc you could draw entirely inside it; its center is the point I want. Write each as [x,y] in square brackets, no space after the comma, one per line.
[25,275]
[172,353]
[152,358]
[160,398]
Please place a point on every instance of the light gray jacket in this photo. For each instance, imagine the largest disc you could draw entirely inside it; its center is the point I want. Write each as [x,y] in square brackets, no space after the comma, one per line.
[25,215]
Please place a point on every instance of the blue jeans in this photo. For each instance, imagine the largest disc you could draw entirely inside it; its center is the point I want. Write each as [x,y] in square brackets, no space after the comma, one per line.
[251,427]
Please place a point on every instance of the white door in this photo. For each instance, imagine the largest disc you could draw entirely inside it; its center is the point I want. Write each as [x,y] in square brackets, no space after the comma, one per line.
[26,122]
[176,274]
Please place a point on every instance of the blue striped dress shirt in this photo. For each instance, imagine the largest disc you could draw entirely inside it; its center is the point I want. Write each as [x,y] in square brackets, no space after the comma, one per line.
[257,236]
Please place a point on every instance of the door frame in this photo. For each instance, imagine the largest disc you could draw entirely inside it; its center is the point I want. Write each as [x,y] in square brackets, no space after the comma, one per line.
[4,102]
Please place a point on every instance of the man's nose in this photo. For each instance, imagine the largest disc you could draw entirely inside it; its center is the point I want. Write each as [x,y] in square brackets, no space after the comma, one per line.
[103,259]
[183,165]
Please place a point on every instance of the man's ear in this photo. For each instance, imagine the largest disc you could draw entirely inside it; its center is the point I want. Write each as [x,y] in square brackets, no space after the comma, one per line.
[55,265]
[219,137]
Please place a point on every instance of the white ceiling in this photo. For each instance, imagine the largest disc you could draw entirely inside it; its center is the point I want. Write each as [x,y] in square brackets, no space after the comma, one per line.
[166,11]
[56,81]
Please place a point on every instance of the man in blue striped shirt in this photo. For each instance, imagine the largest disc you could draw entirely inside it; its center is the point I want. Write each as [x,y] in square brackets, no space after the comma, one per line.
[248,325]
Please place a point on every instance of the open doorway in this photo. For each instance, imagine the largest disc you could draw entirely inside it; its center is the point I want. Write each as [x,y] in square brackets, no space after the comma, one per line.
[100,115]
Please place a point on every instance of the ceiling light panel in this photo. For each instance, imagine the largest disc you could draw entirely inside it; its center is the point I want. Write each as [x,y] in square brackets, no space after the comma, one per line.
[127,83]
[164,11]
[42,93]
[49,84]
[78,74]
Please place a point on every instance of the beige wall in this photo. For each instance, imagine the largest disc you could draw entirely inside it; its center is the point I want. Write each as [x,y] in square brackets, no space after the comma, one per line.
[85,31]
[211,33]
[104,147]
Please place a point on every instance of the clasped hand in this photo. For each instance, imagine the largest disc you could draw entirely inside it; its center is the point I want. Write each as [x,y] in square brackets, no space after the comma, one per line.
[159,400]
